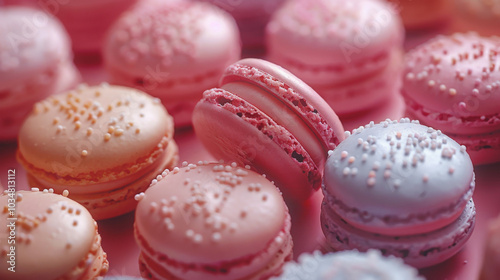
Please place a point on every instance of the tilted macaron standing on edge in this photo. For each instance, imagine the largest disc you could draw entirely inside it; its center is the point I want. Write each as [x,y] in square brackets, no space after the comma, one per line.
[55,238]
[103,143]
[452,83]
[350,52]
[212,221]
[35,62]
[265,117]
[400,187]
[348,265]
[172,50]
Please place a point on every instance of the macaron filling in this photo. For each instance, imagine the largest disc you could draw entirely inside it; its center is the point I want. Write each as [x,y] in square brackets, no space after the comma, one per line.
[278,111]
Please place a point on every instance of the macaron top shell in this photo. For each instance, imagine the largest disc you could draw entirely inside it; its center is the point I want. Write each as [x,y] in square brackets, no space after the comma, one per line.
[165,41]
[53,235]
[335,32]
[30,40]
[208,213]
[398,178]
[457,75]
[95,132]
[349,265]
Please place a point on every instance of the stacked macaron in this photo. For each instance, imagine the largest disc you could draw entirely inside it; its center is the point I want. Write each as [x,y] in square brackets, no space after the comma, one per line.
[452,83]
[350,52]
[103,143]
[272,121]
[35,62]
[172,50]
[212,221]
[53,238]
[400,187]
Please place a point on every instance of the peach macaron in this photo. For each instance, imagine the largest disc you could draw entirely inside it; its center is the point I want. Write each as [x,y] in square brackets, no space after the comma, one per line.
[54,238]
[173,50]
[103,143]
[212,221]
[35,62]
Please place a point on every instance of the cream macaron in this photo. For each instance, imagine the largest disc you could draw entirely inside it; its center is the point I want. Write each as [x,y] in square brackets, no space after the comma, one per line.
[103,143]
[48,236]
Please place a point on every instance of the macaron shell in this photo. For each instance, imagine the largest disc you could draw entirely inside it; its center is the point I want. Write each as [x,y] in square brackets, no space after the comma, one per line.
[258,142]
[333,33]
[32,40]
[47,223]
[292,91]
[398,178]
[420,251]
[353,97]
[180,43]
[480,16]
[89,132]
[252,207]
[456,76]
[276,254]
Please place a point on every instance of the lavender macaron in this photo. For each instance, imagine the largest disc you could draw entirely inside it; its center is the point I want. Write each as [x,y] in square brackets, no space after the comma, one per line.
[400,187]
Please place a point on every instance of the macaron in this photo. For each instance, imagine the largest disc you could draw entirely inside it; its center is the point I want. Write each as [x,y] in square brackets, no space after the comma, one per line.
[103,143]
[349,52]
[348,265]
[424,14]
[35,62]
[212,221]
[481,16]
[173,50]
[252,18]
[490,268]
[263,116]
[452,83]
[400,187]
[48,236]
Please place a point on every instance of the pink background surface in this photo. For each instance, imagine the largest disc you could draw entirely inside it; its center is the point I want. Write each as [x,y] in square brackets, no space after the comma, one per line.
[117,235]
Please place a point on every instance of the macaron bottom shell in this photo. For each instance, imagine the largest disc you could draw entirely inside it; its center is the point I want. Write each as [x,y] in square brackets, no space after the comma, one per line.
[120,198]
[159,266]
[422,250]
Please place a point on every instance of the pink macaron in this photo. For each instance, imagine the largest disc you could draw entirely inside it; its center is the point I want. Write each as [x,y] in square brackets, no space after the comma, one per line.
[35,62]
[263,116]
[400,187]
[349,52]
[452,83]
[212,221]
[173,50]
[103,143]
[48,236]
